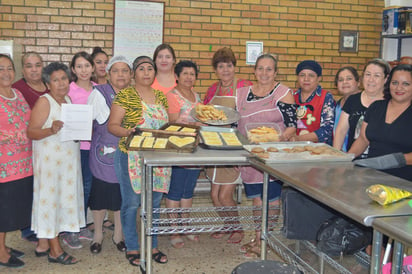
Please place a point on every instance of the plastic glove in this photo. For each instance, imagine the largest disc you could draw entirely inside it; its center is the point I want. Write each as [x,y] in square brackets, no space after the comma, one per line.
[393,160]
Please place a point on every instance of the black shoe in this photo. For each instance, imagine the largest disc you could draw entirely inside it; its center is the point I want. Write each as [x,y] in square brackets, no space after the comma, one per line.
[32,238]
[16,253]
[42,253]
[13,262]
[95,248]
[121,246]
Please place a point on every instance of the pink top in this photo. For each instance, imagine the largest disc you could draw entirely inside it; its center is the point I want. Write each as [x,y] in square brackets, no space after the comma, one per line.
[15,147]
[211,91]
[180,104]
[163,89]
[79,95]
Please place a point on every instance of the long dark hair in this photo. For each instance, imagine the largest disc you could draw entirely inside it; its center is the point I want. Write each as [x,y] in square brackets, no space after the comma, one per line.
[83,54]
[387,90]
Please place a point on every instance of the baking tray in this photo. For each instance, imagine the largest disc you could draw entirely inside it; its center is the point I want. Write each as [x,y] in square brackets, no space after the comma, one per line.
[296,157]
[161,133]
[241,138]
[232,116]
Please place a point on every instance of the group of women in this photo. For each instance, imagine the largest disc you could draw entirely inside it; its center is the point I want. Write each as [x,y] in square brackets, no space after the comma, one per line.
[103,175]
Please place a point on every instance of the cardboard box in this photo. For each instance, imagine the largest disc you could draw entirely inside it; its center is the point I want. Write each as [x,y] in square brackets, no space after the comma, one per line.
[391,17]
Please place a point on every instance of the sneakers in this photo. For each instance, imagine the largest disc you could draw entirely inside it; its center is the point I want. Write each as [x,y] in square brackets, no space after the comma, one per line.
[72,240]
[86,234]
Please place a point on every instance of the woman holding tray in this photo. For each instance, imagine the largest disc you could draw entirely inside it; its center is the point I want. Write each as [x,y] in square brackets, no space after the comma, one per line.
[225,179]
[139,106]
[374,78]
[266,101]
[182,99]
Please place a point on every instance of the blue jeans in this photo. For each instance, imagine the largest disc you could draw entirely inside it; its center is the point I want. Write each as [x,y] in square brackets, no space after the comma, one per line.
[182,183]
[131,203]
[87,178]
[26,232]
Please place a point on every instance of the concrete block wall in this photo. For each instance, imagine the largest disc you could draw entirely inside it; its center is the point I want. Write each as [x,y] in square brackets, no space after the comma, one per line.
[294,30]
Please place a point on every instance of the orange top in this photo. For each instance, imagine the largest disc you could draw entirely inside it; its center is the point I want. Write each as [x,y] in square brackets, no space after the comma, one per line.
[163,89]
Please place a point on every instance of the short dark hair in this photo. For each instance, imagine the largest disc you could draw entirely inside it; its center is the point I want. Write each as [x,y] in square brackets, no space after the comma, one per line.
[83,54]
[52,67]
[185,64]
[387,90]
[223,55]
[351,69]
[8,57]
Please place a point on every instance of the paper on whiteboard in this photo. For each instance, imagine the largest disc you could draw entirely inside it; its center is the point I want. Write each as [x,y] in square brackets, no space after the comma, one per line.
[77,121]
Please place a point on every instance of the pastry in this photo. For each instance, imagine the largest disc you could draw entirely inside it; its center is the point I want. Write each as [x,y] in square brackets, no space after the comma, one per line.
[263,134]
[257,150]
[211,138]
[173,128]
[272,149]
[181,141]
[230,138]
[209,112]
[188,129]
[264,155]
[146,134]
[148,142]
[136,141]
[160,143]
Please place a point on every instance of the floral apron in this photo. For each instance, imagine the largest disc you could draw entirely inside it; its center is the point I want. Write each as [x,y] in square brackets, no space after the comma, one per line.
[153,116]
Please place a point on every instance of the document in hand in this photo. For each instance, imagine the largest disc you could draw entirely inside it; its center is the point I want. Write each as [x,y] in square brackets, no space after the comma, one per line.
[77,121]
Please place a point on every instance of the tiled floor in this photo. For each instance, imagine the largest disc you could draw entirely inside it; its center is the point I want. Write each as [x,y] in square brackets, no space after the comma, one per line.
[210,256]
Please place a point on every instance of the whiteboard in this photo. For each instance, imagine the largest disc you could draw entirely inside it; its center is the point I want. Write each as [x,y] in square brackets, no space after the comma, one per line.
[138,28]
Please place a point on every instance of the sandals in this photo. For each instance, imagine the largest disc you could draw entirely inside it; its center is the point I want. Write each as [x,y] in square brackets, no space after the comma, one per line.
[193,237]
[253,252]
[157,257]
[109,225]
[132,258]
[218,235]
[41,253]
[233,239]
[244,248]
[177,241]
[64,259]
[13,262]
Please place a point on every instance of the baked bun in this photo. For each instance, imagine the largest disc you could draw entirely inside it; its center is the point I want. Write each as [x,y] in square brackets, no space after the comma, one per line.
[272,149]
[257,150]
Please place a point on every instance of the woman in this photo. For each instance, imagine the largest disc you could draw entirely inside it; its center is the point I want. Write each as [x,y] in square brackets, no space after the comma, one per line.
[182,99]
[386,128]
[375,75]
[316,106]
[31,85]
[138,106]
[58,193]
[271,102]
[16,173]
[165,60]
[105,192]
[82,67]
[347,82]
[100,60]
[223,92]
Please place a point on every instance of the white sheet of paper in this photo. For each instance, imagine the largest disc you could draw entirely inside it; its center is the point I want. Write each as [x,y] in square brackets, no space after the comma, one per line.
[77,121]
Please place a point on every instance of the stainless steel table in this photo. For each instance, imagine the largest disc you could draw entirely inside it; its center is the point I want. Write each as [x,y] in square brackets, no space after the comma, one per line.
[340,186]
[201,157]
[400,230]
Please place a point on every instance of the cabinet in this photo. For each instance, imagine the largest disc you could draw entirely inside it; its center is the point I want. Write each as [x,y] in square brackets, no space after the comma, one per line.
[395,46]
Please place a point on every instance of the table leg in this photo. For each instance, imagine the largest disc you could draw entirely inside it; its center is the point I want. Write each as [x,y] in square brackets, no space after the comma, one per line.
[143,210]
[264,227]
[397,260]
[149,217]
[376,252]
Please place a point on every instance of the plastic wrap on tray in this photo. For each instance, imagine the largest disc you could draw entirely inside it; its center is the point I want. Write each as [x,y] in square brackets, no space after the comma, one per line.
[386,195]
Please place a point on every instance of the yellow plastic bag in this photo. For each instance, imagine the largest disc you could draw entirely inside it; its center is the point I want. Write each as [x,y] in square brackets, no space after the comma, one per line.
[386,195]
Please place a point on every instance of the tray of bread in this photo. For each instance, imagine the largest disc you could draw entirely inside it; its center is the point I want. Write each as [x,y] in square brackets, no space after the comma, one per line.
[285,152]
[215,115]
[262,132]
[222,138]
[170,137]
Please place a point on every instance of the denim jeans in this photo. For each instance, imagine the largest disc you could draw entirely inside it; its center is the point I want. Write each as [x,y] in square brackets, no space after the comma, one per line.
[87,178]
[26,232]
[131,203]
[182,183]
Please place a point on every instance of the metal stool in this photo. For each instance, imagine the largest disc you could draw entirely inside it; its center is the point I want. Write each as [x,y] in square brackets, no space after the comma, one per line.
[265,267]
